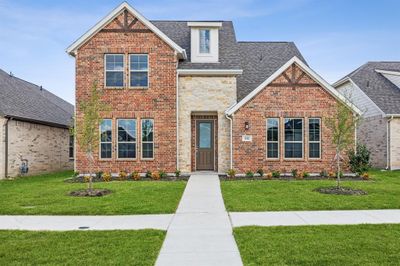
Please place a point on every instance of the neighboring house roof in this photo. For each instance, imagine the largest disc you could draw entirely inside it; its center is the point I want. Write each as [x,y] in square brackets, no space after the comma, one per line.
[179,32]
[112,15]
[259,60]
[23,100]
[372,78]
[325,85]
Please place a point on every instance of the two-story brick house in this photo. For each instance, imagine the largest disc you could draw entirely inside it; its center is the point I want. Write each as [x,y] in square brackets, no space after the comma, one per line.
[187,95]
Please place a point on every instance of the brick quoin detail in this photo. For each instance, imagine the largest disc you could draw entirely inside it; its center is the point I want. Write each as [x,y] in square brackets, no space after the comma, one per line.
[157,102]
[283,102]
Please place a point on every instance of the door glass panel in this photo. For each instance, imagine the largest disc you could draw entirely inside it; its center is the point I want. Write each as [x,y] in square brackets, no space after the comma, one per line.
[205,135]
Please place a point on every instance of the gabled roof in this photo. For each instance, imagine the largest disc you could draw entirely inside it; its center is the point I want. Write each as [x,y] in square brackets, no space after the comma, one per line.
[308,71]
[371,79]
[23,100]
[259,60]
[179,32]
[112,15]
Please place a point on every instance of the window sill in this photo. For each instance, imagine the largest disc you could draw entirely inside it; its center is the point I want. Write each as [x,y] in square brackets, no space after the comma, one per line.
[105,159]
[126,159]
[138,88]
[147,159]
[114,88]
[294,159]
[273,159]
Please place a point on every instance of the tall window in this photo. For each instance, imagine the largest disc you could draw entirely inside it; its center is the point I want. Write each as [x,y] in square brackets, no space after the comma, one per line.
[71,147]
[272,138]
[126,138]
[147,138]
[139,70]
[314,139]
[114,67]
[106,139]
[293,138]
[204,41]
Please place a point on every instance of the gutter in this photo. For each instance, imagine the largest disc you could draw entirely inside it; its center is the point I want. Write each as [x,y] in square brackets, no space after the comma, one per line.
[177,116]
[388,155]
[230,140]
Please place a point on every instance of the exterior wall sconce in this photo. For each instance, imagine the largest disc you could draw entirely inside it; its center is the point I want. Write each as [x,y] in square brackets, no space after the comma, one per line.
[246,125]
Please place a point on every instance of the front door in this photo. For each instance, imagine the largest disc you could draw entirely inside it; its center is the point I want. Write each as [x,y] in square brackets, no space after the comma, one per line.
[205,145]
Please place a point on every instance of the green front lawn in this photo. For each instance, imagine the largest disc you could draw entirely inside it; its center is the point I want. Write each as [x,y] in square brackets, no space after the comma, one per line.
[80,247]
[48,194]
[278,195]
[320,245]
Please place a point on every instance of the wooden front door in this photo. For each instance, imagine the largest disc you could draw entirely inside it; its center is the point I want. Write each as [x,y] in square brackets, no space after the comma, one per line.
[205,145]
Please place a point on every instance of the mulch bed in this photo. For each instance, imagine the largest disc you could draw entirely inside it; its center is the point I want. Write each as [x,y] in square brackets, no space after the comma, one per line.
[81,179]
[287,178]
[341,191]
[90,193]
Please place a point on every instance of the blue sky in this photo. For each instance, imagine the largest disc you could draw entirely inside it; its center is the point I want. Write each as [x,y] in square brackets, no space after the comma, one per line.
[335,36]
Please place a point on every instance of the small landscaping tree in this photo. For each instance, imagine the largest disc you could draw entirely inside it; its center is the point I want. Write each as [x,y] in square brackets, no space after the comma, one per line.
[87,129]
[342,125]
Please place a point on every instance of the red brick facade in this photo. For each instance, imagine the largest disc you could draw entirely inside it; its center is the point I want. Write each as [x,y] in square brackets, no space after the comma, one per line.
[157,102]
[308,100]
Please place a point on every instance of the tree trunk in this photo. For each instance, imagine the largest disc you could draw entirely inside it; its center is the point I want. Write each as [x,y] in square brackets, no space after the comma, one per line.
[90,184]
[338,167]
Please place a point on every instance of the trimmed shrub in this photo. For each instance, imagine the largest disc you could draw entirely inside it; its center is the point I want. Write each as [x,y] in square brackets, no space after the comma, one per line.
[359,160]
[135,175]
[268,176]
[249,174]
[155,175]
[365,176]
[148,174]
[231,173]
[276,174]
[106,177]
[305,174]
[122,175]
[162,174]
[177,173]
[295,173]
[260,172]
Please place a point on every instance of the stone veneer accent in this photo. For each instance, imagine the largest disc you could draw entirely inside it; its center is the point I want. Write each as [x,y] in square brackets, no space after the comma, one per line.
[46,148]
[205,94]
[2,146]
[283,102]
[395,143]
[158,101]
[372,132]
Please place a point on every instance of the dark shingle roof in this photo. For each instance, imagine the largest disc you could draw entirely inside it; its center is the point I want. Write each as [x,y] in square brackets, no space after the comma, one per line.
[179,32]
[381,90]
[259,60]
[24,100]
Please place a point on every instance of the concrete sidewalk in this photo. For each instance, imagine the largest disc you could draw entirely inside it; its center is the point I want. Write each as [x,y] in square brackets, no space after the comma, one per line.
[66,223]
[293,218]
[200,232]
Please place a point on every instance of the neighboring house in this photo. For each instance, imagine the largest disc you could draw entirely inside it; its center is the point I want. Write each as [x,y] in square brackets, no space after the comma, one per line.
[375,89]
[33,128]
[187,95]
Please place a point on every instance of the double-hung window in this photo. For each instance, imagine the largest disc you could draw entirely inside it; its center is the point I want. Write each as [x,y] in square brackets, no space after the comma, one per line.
[273,138]
[204,41]
[114,68]
[147,139]
[139,70]
[106,139]
[126,138]
[314,139]
[293,138]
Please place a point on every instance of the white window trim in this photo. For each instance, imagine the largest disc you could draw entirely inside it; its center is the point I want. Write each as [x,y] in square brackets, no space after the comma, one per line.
[134,142]
[143,142]
[209,43]
[148,73]
[106,142]
[302,139]
[277,142]
[105,72]
[319,142]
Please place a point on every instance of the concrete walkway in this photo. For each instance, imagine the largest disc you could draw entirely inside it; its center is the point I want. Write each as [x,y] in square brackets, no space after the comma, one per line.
[200,232]
[293,218]
[66,223]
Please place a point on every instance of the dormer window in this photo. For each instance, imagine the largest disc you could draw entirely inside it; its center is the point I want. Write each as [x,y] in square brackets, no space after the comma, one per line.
[204,41]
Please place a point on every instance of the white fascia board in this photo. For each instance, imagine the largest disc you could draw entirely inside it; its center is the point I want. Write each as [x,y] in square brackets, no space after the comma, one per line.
[308,71]
[393,115]
[113,14]
[209,72]
[396,73]
[207,24]
[340,82]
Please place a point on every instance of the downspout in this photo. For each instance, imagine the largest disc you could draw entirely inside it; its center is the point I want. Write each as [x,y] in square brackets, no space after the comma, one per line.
[6,148]
[388,143]
[231,140]
[177,116]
